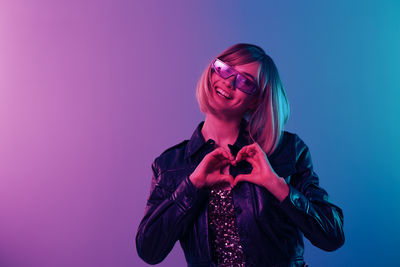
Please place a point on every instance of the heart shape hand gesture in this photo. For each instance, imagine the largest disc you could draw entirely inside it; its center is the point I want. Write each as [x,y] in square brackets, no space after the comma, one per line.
[262,173]
[208,172]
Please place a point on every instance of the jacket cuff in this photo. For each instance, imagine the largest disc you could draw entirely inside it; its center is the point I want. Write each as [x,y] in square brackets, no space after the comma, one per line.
[187,195]
[294,202]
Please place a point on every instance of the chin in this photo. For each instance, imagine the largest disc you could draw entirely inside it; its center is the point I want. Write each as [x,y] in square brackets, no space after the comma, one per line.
[226,112]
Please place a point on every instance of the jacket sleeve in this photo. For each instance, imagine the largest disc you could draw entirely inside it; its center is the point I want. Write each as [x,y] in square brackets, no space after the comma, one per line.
[309,207]
[167,216]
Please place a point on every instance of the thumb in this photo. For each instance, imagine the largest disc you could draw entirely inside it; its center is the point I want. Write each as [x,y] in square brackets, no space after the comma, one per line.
[227,178]
[240,178]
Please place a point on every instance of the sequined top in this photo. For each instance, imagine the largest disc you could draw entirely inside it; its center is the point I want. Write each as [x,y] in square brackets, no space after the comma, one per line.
[224,238]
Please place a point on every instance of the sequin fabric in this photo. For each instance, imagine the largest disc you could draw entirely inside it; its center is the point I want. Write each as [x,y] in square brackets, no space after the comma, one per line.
[224,238]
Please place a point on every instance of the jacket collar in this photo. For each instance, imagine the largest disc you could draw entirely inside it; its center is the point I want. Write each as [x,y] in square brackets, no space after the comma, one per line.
[197,141]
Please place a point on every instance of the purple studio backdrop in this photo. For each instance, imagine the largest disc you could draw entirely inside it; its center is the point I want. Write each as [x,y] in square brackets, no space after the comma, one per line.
[92,91]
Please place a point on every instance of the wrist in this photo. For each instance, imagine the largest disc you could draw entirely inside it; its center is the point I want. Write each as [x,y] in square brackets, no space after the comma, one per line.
[278,187]
[195,181]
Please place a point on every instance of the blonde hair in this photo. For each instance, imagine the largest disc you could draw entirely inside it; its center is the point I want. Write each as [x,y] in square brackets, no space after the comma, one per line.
[266,122]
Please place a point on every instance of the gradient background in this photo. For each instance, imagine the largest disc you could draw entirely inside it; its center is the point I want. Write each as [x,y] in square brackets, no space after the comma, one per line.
[92,91]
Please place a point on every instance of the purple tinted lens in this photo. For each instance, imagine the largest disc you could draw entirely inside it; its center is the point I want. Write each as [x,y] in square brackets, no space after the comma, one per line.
[245,84]
[223,70]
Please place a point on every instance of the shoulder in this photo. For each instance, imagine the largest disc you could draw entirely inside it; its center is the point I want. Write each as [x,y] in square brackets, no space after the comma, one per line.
[292,138]
[178,147]
[286,142]
[290,146]
[171,157]
[288,136]
[300,149]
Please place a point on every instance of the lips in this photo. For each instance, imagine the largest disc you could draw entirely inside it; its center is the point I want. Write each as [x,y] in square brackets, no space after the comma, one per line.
[223,93]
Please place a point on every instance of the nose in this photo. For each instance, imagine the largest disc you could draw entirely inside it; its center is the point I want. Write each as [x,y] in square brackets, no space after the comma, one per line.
[230,82]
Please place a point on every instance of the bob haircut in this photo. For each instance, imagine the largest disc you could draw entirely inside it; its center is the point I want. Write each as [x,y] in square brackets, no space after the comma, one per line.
[266,121]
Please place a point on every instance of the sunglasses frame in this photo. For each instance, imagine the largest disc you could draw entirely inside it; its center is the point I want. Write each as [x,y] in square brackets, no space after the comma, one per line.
[236,73]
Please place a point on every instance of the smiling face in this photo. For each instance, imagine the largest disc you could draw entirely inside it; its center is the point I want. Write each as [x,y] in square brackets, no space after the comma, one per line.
[235,102]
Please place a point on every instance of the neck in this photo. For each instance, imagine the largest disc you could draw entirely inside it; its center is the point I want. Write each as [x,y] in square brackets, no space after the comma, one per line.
[222,131]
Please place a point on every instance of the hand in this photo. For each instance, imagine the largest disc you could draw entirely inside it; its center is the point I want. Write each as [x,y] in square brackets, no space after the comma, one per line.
[208,172]
[262,173]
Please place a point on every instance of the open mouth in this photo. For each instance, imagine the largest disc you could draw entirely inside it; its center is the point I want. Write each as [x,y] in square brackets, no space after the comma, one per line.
[223,93]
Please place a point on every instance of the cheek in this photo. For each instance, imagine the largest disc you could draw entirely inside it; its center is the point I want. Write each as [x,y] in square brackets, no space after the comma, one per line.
[250,101]
[254,102]
[245,97]
[214,78]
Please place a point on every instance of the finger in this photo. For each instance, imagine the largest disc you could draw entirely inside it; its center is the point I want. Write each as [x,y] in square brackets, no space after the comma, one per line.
[217,155]
[259,151]
[228,154]
[222,163]
[240,178]
[249,153]
[223,153]
[216,151]
[242,154]
[251,160]
[256,145]
[239,154]
[221,156]
[252,151]
[222,179]
[228,179]
[234,162]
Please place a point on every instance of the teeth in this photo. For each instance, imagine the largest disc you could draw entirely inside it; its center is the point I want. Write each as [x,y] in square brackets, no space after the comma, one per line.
[222,92]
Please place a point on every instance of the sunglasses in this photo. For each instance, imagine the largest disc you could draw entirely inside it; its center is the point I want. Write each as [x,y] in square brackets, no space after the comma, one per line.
[242,83]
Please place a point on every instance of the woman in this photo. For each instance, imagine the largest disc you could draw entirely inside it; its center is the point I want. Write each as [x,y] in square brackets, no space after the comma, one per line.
[242,191]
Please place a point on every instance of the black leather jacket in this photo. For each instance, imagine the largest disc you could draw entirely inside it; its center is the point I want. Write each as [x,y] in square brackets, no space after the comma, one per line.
[271,232]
